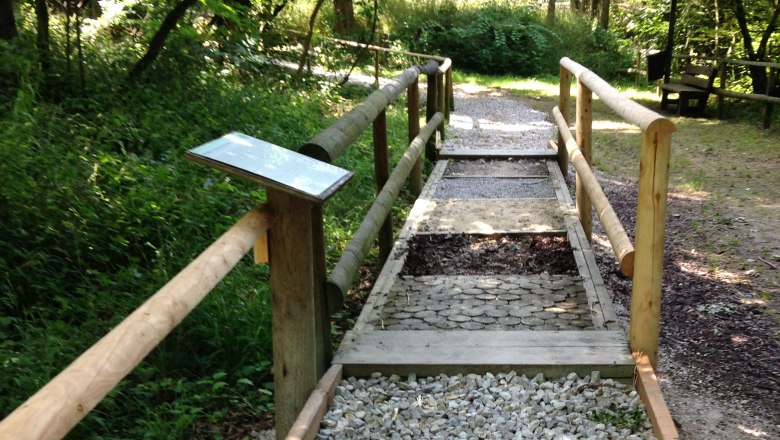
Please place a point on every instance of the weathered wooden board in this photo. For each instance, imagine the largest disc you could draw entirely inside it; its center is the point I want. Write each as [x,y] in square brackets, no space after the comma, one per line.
[433,352]
[649,390]
[462,153]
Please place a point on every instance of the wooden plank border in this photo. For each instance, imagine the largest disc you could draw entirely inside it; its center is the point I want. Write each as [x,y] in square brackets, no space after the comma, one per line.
[307,424]
[646,384]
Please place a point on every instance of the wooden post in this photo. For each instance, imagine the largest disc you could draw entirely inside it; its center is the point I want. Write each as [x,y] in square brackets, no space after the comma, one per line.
[413,110]
[430,110]
[450,94]
[650,226]
[441,105]
[584,141]
[376,68]
[301,330]
[563,106]
[382,173]
[770,84]
[721,98]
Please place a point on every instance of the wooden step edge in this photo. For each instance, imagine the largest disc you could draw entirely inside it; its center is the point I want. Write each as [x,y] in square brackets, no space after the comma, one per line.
[492,154]
[646,384]
[621,373]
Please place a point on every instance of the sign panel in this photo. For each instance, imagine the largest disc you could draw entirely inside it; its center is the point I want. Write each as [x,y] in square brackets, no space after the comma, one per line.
[271,165]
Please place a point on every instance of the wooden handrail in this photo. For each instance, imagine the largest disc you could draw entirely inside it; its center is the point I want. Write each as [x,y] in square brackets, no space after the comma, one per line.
[343,273]
[57,407]
[645,313]
[728,60]
[331,142]
[621,244]
[631,111]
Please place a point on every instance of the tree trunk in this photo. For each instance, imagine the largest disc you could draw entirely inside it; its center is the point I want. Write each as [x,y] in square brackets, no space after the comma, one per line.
[309,35]
[550,11]
[158,41]
[670,41]
[42,40]
[757,74]
[344,12]
[594,8]
[7,23]
[604,16]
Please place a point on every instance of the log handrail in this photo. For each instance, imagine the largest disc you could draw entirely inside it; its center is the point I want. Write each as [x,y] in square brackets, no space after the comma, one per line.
[645,312]
[343,274]
[57,407]
[621,244]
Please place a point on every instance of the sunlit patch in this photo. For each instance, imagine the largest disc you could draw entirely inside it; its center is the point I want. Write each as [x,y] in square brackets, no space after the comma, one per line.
[618,126]
[751,431]
[702,271]
[485,124]
[471,88]
[461,121]
[738,339]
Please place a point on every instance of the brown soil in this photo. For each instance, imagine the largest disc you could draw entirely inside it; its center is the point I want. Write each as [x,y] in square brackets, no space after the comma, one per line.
[716,341]
[477,255]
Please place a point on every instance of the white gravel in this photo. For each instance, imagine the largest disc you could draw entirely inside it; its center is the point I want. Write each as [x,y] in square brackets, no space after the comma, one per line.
[501,406]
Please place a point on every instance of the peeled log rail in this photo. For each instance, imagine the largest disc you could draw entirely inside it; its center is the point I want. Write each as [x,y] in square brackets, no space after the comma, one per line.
[57,407]
[621,244]
[748,96]
[633,112]
[343,274]
[330,143]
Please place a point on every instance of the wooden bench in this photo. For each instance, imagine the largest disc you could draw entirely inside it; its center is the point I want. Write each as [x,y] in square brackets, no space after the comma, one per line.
[695,83]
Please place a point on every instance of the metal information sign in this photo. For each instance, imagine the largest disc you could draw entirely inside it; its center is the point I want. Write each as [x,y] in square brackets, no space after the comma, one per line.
[271,165]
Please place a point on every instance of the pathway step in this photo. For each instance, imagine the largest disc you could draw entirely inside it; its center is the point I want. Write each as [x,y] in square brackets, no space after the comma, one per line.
[490,216]
[490,153]
[554,353]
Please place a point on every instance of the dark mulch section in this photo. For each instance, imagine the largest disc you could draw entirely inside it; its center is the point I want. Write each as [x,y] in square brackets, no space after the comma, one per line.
[728,348]
[478,255]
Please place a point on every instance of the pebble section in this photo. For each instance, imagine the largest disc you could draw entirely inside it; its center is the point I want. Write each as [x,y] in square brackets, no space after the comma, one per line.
[535,302]
[501,406]
[493,188]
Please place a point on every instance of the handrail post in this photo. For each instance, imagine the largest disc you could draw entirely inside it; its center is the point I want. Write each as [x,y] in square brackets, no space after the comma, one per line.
[430,110]
[721,98]
[645,312]
[450,95]
[584,141]
[441,103]
[563,106]
[770,84]
[382,173]
[413,111]
[300,322]
[376,68]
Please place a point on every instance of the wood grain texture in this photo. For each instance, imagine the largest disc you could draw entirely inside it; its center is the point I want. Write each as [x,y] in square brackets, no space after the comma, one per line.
[563,105]
[646,384]
[621,244]
[59,405]
[584,142]
[433,352]
[307,424]
[298,316]
[645,312]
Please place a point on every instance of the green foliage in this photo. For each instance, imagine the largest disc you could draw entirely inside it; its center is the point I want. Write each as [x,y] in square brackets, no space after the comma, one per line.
[620,417]
[504,38]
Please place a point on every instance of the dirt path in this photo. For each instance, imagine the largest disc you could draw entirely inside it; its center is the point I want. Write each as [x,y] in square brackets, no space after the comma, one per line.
[719,332]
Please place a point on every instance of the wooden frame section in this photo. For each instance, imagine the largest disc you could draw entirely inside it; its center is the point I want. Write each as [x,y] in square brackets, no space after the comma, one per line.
[307,425]
[646,384]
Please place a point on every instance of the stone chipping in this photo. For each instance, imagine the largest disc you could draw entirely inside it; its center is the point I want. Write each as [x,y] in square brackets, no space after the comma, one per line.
[500,406]
[494,188]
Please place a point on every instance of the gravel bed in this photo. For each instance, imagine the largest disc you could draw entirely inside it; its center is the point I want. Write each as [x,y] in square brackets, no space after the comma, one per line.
[500,168]
[493,188]
[501,406]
